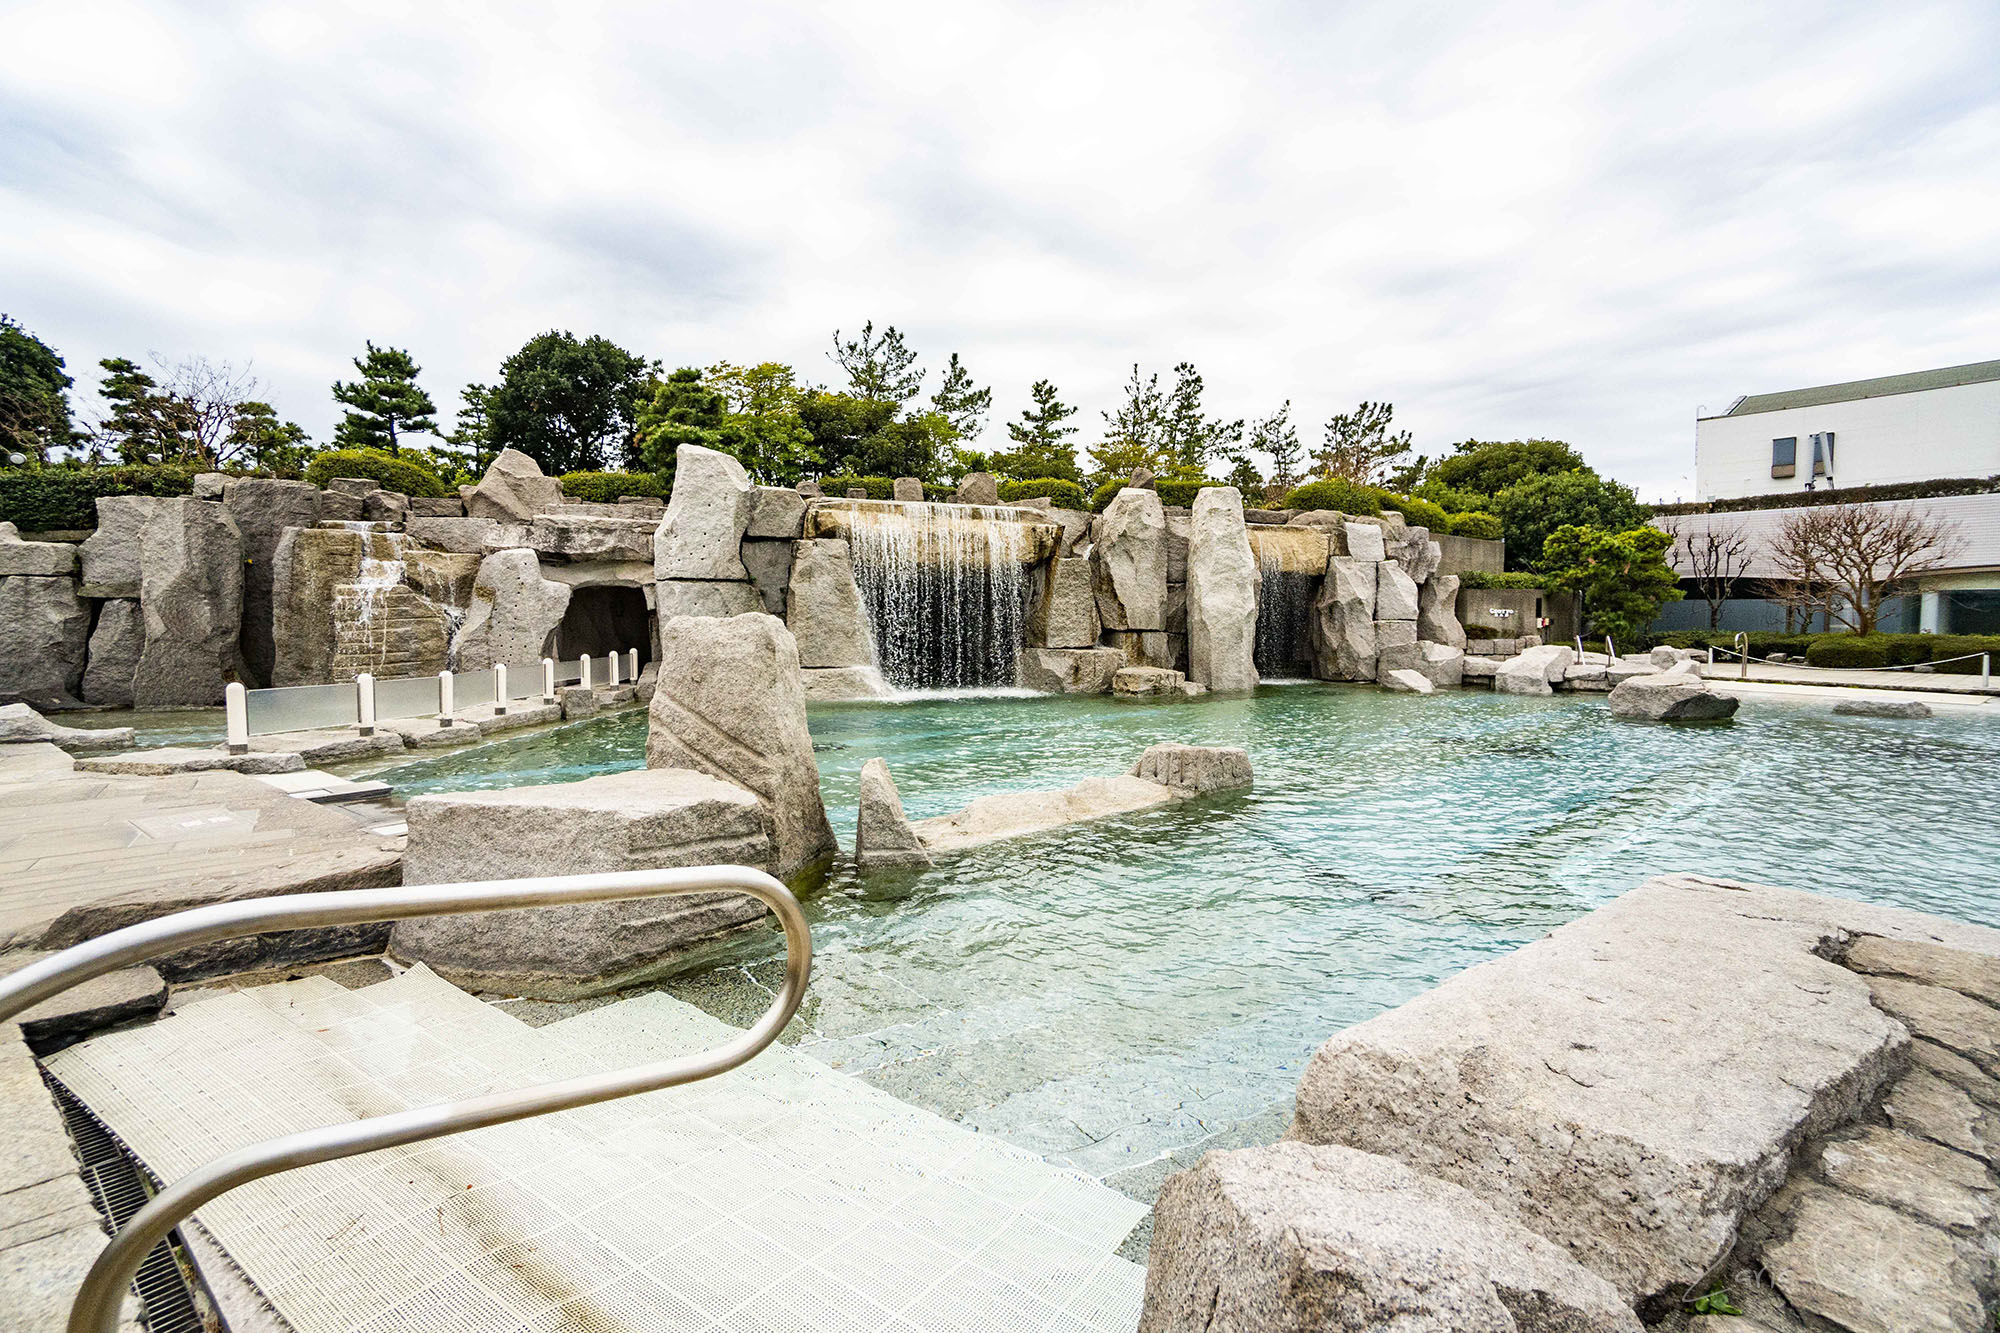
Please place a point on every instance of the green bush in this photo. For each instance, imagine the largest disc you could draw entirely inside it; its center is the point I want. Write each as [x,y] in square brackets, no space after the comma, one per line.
[1849,650]
[384,469]
[1476,523]
[605,488]
[1344,496]
[878,488]
[1513,579]
[55,499]
[1063,494]
[1911,490]
[1419,513]
[1957,645]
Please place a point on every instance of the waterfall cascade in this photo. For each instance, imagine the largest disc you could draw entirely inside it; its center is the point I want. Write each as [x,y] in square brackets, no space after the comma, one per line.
[1286,559]
[946,591]
[383,622]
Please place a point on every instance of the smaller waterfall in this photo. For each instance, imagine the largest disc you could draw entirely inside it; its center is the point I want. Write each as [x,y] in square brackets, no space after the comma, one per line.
[946,590]
[1284,613]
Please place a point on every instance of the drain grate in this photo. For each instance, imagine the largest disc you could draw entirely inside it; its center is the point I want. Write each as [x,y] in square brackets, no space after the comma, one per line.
[119,1190]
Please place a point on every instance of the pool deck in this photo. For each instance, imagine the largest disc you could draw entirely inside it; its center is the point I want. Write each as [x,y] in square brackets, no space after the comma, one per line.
[1927,682]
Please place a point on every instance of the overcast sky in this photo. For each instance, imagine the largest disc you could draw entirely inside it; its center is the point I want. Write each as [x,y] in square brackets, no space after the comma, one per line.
[1571,221]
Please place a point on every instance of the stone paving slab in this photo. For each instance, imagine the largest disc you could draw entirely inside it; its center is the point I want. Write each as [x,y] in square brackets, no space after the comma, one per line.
[1935,682]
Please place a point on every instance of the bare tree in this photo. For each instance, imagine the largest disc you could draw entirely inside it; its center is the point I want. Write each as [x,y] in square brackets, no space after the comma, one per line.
[1848,559]
[1715,556]
[209,395]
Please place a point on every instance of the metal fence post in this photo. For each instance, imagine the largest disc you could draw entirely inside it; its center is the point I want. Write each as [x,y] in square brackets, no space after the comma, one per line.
[444,698]
[364,703]
[1986,671]
[236,710]
[548,680]
[499,689]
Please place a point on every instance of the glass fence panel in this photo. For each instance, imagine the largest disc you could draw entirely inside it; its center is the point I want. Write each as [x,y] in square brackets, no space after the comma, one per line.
[300,708]
[524,679]
[469,688]
[570,672]
[416,696]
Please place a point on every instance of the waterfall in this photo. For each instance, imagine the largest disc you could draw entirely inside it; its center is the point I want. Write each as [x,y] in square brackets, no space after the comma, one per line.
[946,590]
[1284,611]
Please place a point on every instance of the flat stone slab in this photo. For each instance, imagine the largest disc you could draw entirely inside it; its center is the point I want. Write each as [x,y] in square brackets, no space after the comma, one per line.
[520,713]
[1882,708]
[1635,1084]
[1868,1268]
[102,1002]
[330,745]
[20,724]
[170,759]
[430,733]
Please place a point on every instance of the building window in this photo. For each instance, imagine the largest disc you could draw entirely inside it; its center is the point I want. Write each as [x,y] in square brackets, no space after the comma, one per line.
[1785,456]
[1822,445]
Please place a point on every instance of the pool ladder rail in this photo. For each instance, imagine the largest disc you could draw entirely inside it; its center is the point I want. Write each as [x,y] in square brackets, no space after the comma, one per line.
[102,1294]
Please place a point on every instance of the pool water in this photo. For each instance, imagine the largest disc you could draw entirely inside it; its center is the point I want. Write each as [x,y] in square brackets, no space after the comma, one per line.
[1121,994]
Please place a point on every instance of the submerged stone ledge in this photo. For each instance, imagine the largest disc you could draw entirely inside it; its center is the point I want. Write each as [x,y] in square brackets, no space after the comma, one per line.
[1701,1077]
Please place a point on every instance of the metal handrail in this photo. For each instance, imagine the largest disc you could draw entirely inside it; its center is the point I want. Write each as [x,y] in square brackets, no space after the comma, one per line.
[102,1295]
[1985,662]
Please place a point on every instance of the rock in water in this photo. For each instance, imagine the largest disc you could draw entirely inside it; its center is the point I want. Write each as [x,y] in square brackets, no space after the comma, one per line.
[1437,611]
[20,724]
[44,633]
[1882,708]
[730,703]
[883,836]
[1222,593]
[513,489]
[702,535]
[1194,768]
[1342,630]
[1407,681]
[115,646]
[1070,670]
[1131,556]
[1296,1239]
[191,600]
[514,615]
[1534,670]
[1669,697]
[823,606]
[975,488]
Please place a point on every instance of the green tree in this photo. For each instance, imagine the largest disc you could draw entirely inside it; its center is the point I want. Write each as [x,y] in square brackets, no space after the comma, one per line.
[1359,447]
[570,404]
[384,404]
[1041,440]
[1623,576]
[1131,434]
[682,410]
[1278,440]
[879,367]
[472,431]
[34,394]
[145,423]
[1532,509]
[259,439]
[766,433]
[1488,467]
[1189,439]
[961,402]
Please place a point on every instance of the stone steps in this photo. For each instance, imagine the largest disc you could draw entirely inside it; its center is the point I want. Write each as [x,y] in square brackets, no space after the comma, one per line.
[782,1194]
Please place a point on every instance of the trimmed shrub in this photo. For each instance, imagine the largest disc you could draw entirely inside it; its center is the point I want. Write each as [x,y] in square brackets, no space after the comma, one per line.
[1914,490]
[1344,496]
[1849,650]
[878,488]
[1476,523]
[1956,645]
[384,469]
[55,499]
[1063,494]
[1512,579]
[1420,513]
[1180,494]
[605,488]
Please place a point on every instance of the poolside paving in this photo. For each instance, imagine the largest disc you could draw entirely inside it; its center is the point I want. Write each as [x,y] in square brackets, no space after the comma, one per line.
[83,853]
[1936,682]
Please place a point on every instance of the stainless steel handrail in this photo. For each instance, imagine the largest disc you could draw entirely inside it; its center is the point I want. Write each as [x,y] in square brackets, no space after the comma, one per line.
[103,1292]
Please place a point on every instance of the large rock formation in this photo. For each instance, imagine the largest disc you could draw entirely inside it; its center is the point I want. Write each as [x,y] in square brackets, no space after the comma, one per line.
[1070,670]
[730,704]
[191,601]
[976,488]
[1437,611]
[1295,1238]
[1064,613]
[262,510]
[309,564]
[690,597]
[514,615]
[1194,769]
[1131,561]
[1342,629]
[513,489]
[115,646]
[34,559]
[883,835]
[1669,697]
[706,518]
[1222,593]
[1395,593]
[110,555]
[640,820]
[823,607]
[44,631]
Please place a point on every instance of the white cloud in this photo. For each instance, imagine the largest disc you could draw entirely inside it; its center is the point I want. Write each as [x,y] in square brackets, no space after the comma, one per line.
[1532,220]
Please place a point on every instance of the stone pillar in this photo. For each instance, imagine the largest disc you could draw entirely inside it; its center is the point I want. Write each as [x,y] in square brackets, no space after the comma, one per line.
[823,607]
[698,567]
[515,612]
[191,600]
[1222,593]
[882,835]
[1342,628]
[730,703]
[1437,611]
[44,631]
[1064,614]
[263,509]
[115,646]
[1131,560]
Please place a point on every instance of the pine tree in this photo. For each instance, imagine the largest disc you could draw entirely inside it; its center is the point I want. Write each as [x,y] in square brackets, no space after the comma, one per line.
[1132,433]
[959,402]
[146,424]
[34,394]
[1278,439]
[1359,447]
[681,411]
[882,368]
[385,403]
[1041,440]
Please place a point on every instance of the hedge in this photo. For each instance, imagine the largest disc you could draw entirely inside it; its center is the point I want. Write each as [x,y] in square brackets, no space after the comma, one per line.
[1845,650]
[1472,578]
[54,499]
[878,488]
[1345,496]
[385,469]
[1476,523]
[1849,650]
[607,487]
[1179,494]
[1915,490]
[1063,494]
[1419,513]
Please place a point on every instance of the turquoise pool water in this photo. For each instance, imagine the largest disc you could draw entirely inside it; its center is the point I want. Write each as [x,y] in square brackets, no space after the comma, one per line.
[1150,985]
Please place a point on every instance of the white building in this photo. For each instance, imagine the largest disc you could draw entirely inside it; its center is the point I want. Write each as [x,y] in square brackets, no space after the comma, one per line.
[1901,428]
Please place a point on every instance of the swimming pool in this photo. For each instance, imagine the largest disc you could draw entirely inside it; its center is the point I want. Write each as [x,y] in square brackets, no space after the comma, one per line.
[1122,994]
